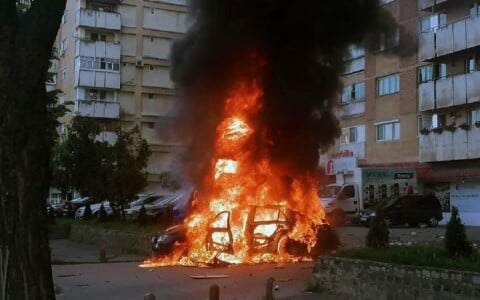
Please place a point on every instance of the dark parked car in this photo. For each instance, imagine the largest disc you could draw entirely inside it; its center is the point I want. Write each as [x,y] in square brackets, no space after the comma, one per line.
[407,209]
[163,242]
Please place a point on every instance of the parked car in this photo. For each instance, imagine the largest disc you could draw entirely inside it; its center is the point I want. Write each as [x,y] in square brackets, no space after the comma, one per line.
[406,209]
[95,208]
[152,204]
[156,204]
[163,242]
[70,207]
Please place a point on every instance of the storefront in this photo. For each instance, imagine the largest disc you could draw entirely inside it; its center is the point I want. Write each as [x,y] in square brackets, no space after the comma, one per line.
[455,184]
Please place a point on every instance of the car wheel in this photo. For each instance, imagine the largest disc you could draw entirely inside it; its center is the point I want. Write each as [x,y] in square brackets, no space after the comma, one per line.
[432,221]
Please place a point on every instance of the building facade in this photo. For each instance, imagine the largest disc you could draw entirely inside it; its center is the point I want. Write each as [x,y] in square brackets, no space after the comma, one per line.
[378,112]
[113,66]
[421,113]
[449,103]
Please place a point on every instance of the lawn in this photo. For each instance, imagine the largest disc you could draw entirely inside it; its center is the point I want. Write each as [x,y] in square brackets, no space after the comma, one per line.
[418,255]
[122,226]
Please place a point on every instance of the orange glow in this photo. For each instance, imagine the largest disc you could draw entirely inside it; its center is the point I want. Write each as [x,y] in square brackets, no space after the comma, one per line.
[243,193]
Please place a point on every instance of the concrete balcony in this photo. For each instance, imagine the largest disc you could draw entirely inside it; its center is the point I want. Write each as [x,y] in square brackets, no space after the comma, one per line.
[358,149]
[352,108]
[450,145]
[354,65]
[451,91]
[97,49]
[107,136]
[434,5]
[98,19]
[97,109]
[97,78]
[457,36]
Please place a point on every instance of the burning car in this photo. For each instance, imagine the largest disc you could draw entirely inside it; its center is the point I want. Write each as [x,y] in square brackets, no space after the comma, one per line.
[267,231]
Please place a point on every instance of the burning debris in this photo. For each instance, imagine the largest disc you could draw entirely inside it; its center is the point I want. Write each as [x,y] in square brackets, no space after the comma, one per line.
[257,82]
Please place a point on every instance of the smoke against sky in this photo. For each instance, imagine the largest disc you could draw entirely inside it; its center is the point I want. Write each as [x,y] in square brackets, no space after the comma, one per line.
[296,48]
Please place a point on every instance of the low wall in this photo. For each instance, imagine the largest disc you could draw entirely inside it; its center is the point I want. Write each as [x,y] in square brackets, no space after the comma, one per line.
[360,279]
[127,242]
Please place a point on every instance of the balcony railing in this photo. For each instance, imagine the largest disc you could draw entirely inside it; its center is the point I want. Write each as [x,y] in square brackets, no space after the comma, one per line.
[450,91]
[107,136]
[453,37]
[449,145]
[98,19]
[433,5]
[97,109]
[352,108]
[97,78]
[97,49]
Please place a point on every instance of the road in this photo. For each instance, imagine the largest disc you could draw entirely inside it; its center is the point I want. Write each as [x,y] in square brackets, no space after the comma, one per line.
[125,280]
[118,281]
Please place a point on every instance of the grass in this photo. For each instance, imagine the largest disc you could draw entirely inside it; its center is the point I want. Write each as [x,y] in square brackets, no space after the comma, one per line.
[418,255]
[122,226]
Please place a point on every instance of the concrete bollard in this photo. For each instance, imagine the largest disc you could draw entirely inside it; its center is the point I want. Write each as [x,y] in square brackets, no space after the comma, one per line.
[270,288]
[149,296]
[103,255]
[214,293]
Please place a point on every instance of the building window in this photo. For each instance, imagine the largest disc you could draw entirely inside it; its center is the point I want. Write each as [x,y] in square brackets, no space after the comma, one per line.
[439,120]
[388,39]
[425,73]
[150,96]
[474,10]
[473,116]
[354,92]
[354,52]
[63,73]
[87,62]
[388,131]
[388,84]
[433,22]
[354,134]
[151,67]
[63,47]
[64,17]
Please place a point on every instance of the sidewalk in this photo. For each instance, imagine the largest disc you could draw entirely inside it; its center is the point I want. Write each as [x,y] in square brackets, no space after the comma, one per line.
[68,252]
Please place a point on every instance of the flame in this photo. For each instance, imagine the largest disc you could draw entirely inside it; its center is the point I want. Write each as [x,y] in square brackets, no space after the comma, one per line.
[247,203]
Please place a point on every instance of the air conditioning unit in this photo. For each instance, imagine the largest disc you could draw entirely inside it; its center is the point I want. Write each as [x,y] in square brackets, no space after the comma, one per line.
[140,63]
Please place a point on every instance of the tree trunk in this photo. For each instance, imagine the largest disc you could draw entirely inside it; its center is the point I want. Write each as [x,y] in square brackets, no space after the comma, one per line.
[25,48]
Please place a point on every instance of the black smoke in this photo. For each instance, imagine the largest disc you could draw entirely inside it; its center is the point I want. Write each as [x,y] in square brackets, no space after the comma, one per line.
[302,43]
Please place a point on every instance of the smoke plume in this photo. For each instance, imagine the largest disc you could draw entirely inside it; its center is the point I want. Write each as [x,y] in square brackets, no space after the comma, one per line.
[302,45]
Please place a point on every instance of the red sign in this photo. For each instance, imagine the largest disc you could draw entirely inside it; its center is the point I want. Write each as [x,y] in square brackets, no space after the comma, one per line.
[343,153]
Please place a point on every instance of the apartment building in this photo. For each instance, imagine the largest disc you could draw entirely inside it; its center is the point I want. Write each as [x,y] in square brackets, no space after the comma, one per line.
[378,113]
[449,103]
[112,64]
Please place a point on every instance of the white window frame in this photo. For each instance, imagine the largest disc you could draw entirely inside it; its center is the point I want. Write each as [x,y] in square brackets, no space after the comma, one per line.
[391,131]
[432,22]
[389,84]
[63,73]
[353,93]
[353,134]
[473,116]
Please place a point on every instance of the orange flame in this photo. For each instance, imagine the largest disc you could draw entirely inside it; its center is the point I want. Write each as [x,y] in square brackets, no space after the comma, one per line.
[232,221]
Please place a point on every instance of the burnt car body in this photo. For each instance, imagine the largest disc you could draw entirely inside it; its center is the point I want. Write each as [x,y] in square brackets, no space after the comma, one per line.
[279,221]
[267,231]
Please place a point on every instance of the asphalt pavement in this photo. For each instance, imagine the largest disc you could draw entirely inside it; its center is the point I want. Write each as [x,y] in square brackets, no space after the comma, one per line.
[91,272]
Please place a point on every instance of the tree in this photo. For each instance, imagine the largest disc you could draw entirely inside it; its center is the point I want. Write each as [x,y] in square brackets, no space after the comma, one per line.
[128,159]
[456,241]
[26,39]
[98,169]
[378,234]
